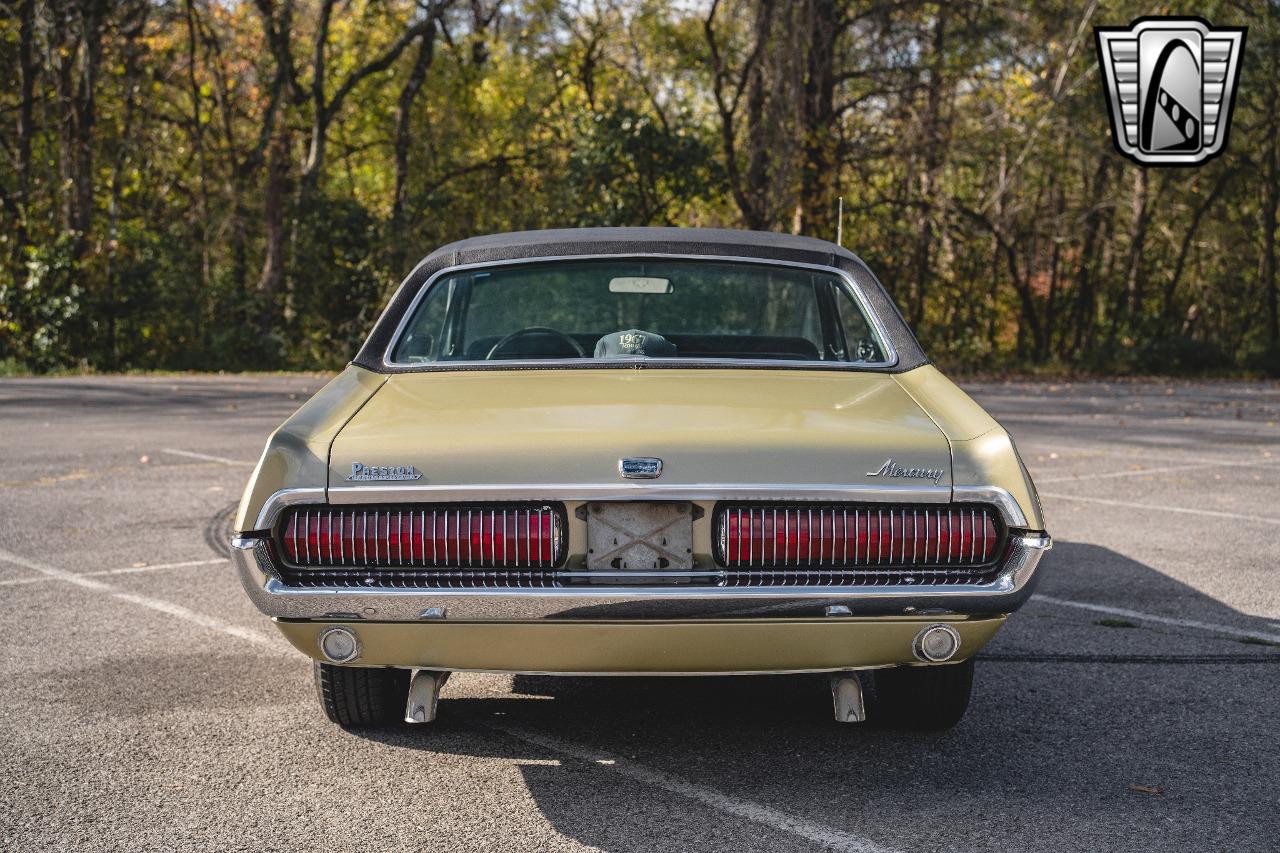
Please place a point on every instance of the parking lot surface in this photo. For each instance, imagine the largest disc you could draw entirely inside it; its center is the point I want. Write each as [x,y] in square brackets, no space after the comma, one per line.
[1133,704]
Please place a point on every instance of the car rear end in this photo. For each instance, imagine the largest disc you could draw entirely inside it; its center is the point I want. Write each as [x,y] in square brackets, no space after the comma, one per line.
[544,511]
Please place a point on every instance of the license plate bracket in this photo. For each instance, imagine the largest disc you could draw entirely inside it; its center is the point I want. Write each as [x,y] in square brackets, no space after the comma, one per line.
[640,536]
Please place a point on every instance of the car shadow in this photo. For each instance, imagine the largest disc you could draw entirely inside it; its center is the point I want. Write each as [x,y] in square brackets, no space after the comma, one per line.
[1051,742]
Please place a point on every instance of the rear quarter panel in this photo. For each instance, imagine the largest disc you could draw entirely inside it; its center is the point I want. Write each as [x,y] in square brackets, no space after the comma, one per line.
[982,452]
[297,454]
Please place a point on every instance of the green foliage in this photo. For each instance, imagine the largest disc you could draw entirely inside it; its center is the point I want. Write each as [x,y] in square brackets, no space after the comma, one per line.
[337,283]
[209,207]
[41,300]
[627,169]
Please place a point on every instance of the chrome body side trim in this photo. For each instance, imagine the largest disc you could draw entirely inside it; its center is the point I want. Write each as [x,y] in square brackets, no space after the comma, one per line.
[521,604]
[1009,510]
[855,290]
[998,497]
[282,500]
[637,491]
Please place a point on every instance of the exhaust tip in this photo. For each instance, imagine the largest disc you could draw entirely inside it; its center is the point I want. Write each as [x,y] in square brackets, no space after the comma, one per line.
[936,644]
[339,645]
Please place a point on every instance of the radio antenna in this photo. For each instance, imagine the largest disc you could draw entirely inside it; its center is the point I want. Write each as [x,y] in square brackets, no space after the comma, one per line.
[840,222]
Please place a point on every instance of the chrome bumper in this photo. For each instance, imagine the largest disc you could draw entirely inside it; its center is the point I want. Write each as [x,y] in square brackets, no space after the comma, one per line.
[1003,595]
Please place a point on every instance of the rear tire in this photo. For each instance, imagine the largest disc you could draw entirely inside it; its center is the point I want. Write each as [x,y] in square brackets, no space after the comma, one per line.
[922,698]
[361,697]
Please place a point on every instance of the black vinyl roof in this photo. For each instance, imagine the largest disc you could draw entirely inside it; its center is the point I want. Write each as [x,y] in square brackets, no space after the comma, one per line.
[607,241]
[692,242]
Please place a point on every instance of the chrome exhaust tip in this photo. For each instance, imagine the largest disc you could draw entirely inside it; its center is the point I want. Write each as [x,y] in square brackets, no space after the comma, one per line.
[424,694]
[846,697]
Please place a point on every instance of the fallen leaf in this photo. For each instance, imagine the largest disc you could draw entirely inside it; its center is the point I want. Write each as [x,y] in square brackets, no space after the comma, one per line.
[1158,790]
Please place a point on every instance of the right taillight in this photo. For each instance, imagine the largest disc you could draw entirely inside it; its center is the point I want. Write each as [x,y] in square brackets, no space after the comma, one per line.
[773,536]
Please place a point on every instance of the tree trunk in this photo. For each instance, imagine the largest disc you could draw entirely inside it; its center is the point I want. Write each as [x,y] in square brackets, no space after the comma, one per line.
[818,172]
[28,69]
[404,115]
[321,111]
[197,142]
[1127,298]
[274,193]
[1271,202]
[132,73]
[749,187]
[85,116]
[1085,310]
[757,176]
[932,139]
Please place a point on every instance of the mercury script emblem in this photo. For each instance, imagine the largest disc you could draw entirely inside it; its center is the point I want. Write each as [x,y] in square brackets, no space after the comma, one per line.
[1170,86]
[360,471]
[893,469]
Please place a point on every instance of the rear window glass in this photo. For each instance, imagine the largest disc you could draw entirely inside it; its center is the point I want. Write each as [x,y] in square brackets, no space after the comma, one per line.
[643,308]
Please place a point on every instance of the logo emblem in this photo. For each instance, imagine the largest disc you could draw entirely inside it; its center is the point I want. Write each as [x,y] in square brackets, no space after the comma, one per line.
[893,469]
[640,468]
[360,471]
[1170,85]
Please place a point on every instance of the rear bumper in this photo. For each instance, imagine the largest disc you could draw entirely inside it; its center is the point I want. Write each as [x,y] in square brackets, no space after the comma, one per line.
[644,648]
[635,603]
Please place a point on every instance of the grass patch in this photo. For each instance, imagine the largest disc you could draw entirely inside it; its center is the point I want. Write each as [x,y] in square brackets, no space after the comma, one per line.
[1116,623]
[1257,641]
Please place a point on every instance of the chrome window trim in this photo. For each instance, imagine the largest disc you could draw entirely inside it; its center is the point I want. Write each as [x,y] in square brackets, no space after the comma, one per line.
[480,604]
[855,290]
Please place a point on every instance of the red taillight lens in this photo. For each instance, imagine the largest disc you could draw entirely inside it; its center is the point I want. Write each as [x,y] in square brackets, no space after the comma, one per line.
[470,536]
[781,536]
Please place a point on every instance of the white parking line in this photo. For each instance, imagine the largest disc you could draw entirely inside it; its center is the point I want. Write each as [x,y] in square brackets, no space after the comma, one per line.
[773,818]
[1154,508]
[1167,470]
[147,601]
[827,836]
[205,456]
[1162,620]
[127,570]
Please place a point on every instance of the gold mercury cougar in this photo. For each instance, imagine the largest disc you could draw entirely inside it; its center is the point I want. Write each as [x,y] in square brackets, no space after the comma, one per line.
[649,451]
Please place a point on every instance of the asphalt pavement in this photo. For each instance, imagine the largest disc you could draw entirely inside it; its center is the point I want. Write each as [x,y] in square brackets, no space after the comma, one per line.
[1133,704]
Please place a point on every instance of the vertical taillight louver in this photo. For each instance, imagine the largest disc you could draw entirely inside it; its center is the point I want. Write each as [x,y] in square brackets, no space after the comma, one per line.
[837,536]
[478,536]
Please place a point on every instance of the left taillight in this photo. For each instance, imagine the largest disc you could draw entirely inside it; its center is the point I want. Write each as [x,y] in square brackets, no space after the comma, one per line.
[481,536]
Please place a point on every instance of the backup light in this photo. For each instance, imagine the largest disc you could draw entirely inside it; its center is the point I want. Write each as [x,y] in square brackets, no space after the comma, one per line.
[340,645]
[937,643]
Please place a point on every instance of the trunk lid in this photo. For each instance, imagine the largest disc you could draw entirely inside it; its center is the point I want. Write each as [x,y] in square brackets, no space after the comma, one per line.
[709,427]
